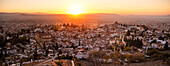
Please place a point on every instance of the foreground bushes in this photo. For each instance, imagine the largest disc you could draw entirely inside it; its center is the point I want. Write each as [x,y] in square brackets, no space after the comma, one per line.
[138,57]
[157,55]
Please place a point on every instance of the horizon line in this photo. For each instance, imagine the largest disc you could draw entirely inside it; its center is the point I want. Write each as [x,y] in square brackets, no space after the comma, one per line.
[43,13]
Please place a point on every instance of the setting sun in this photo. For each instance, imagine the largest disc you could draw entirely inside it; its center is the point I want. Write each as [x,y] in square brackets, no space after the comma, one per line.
[76,9]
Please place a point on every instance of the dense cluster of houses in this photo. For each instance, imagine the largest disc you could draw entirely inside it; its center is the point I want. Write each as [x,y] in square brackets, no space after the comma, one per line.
[80,41]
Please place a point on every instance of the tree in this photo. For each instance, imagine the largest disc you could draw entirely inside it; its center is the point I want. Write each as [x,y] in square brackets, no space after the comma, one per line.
[79,42]
[47,52]
[152,52]
[154,30]
[168,35]
[59,52]
[168,60]
[141,43]
[134,42]
[141,34]
[154,41]
[117,55]
[127,49]
[1,28]
[166,46]
[21,62]
[161,38]
[1,57]
[22,50]
[59,63]
[95,55]
[145,27]
[35,55]
[44,46]
[107,57]
[1,54]
[163,31]
[136,57]
[56,47]
[128,33]
[72,46]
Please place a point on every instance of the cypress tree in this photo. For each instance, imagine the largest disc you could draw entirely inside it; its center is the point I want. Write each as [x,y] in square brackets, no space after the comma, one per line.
[166,46]
[56,47]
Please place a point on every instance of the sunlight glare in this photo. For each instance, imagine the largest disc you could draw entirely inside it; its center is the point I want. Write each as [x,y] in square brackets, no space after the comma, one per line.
[76,9]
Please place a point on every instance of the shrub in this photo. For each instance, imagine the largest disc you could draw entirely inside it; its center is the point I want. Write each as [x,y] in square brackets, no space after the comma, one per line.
[168,60]
[136,57]
[152,51]
[127,49]
[117,55]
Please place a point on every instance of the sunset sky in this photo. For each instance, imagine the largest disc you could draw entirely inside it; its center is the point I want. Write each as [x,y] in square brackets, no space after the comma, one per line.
[123,7]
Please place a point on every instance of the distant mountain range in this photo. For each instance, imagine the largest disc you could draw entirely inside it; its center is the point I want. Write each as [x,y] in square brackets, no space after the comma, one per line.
[39,13]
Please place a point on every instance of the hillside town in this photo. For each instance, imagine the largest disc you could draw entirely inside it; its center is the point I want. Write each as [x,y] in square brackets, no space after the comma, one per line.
[67,44]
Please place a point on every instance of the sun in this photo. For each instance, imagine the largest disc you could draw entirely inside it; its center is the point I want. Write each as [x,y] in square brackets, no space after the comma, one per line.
[76,9]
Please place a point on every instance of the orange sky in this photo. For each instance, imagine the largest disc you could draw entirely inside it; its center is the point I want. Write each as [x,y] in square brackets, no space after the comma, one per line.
[124,7]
